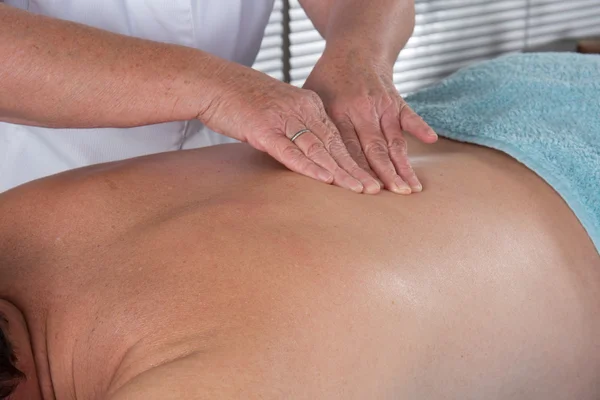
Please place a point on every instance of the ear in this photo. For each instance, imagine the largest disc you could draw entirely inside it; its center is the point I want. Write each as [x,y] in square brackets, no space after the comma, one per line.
[15,329]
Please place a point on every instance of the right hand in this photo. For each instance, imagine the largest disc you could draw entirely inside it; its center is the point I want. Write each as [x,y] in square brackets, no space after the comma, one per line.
[255,108]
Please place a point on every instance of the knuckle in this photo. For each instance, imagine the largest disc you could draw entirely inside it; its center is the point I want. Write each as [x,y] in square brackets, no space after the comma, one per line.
[335,145]
[258,143]
[342,121]
[332,126]
[387,174]
[338,114]
[315,98]
[313,105]
[315,150]
[398,146]
[364,102]
[406,171]
[403,165]
[264,141]
[311,99]
[356,169]
[266,135]
[407,112]
[338,147]
[291,153]
[387,101]
[353,145]
[376,149]
[329,136]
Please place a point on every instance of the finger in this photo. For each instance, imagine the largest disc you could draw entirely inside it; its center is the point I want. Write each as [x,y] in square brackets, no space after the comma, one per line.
[314,149]
[375,147]
[408,174]
[398,150]
[412,123]
[353,146]
[287,153]
[333,142]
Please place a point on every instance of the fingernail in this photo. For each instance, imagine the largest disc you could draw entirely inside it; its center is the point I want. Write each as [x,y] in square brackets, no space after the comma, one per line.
[353,184]
[372,187]
[417,187]
[325,176]
[400,187]
[357,187]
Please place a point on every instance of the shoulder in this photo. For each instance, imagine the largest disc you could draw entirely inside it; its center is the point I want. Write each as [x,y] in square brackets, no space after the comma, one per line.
[94,200]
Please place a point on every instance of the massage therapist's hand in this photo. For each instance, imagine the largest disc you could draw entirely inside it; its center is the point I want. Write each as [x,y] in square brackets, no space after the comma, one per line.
[266,113]
[361,99]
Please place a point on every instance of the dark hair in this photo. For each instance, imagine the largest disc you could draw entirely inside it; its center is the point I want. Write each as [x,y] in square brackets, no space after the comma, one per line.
[10,376]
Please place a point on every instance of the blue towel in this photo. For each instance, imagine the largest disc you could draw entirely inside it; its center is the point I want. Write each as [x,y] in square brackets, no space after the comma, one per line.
[543,109]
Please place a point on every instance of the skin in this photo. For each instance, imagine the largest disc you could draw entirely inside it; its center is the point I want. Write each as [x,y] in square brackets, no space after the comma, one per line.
[589,46]
[354,78]
[216,273]
[84,77]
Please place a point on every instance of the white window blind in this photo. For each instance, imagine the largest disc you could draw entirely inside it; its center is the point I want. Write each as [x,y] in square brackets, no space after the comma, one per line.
[550,20]
[270,58]
[450,34]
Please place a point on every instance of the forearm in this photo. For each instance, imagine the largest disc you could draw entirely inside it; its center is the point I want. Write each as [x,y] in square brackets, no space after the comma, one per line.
[60,74]
[374,28]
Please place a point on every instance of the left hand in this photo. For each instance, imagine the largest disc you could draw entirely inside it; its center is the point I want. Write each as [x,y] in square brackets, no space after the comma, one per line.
[361,99]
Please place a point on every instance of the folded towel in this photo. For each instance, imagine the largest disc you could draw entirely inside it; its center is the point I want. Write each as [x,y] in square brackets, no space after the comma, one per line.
[543,109]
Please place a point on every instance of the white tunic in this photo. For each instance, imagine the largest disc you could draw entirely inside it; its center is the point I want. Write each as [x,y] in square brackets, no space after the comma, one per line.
[232,29]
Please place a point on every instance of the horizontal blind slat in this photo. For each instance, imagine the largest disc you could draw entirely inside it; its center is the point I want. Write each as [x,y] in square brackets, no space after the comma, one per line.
[270,56]
[551,20]
[450,34]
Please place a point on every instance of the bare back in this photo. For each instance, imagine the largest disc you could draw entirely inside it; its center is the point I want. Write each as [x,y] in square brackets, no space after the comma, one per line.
[215,273]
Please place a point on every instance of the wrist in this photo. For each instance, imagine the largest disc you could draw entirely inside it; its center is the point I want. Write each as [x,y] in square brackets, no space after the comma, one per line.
[351,52]
[210,86]
[349,56]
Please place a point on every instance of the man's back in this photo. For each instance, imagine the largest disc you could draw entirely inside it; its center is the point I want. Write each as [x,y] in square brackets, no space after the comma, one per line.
[217,274]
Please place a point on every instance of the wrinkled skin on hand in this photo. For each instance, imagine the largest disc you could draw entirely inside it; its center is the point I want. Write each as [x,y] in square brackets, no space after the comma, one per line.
[362,101]
[264,112]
